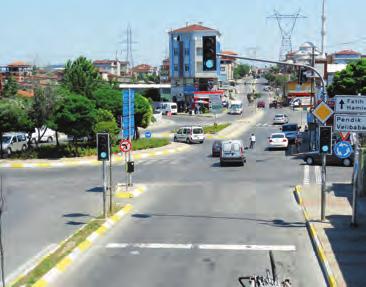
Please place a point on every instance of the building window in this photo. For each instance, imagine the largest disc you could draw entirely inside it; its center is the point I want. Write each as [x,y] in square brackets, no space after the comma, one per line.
[175,68]
[175,51]
[199,51]
[199,67]
[186,67]
[223,69]
[186,51]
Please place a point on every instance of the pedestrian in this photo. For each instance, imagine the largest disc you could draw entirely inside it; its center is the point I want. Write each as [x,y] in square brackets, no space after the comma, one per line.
[252,141]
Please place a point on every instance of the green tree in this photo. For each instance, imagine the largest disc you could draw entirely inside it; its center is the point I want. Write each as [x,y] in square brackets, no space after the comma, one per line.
[108,98]
[108,127]
[350,81]
[75,116]
[241,70]
[43,107]
[143,113]
[13,117]
[10,88]
[81,77]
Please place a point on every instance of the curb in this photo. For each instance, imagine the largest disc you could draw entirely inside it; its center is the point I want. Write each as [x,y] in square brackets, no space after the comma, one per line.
[81,162]
[120,191]
[61,266]
[314,238]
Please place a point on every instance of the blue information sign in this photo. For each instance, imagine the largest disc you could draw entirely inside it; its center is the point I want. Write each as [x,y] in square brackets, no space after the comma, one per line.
[343,149]
[147,134]
[128,114]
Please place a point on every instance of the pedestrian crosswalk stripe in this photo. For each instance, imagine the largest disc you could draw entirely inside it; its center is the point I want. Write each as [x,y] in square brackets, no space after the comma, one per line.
[318,177]
[306,175]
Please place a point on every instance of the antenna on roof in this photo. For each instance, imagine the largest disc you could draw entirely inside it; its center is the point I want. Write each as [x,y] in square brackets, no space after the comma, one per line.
[200,23]
[187,24]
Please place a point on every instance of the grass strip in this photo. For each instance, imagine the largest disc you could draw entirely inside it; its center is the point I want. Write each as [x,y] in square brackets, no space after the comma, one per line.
[66,248]
[212,129]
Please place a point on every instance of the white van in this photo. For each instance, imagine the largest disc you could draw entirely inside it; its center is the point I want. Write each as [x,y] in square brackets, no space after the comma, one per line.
[193,134]
[47,135]
[236,108]
[166,108]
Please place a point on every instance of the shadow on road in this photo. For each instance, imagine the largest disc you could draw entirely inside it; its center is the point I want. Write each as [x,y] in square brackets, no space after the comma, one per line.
[95,189]
[76,215]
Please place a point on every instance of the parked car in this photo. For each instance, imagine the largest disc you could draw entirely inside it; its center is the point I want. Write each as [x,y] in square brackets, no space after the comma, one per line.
[47,135]
[261,104]
[277,140]
[190,135]
[275,104]
[80,139]
[14,142]
[291,131]
[315,157]
[232,151]
[280,119]
[216,148]
[166,108]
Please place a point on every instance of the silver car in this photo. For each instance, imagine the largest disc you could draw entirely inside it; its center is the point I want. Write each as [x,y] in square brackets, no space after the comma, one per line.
[280,119]
[13,142]
[232,151]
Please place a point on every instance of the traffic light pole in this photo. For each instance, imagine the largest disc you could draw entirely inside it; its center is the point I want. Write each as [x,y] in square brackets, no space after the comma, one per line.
[323,188]
[104,187]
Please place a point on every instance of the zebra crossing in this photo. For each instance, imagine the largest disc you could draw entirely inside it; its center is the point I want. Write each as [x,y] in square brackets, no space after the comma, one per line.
[265,125]
[158,161]
[312,174]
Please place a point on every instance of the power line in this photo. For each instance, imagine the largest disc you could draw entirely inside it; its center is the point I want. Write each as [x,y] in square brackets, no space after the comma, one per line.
[286,23]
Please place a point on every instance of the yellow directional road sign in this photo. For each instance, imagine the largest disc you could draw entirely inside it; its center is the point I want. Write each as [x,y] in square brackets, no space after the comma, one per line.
[323,112]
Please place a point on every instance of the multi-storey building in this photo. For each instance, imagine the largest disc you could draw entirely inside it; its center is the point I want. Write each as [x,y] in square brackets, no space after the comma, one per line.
[186,63]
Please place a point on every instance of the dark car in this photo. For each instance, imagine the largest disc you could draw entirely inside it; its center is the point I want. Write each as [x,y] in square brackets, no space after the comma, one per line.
[291,131]
[315,157]
[216,148]
[261,104]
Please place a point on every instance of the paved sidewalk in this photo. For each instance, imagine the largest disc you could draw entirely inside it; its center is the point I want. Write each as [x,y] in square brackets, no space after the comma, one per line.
[344,246]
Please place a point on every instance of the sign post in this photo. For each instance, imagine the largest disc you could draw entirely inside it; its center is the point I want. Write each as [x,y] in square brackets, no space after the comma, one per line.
[351,117]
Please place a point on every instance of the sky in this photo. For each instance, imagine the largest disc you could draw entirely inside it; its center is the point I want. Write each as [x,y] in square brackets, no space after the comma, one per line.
[45,32]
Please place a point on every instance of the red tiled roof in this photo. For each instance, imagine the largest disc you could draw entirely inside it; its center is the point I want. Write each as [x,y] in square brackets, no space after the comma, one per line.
[192,28]
[142,68]
[347,52]
[229,53]
[19,64]
[27,94]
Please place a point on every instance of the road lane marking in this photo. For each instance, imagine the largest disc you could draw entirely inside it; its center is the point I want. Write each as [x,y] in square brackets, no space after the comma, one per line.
[229,247]
[318,177]
[306,175]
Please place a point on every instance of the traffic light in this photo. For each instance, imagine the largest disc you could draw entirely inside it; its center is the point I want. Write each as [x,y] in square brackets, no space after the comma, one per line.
[209,53]
[325,139]
[103,146]
[302,78]
[130,167]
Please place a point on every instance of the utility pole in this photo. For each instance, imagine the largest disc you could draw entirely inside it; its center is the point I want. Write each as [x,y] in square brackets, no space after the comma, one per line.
[323,32]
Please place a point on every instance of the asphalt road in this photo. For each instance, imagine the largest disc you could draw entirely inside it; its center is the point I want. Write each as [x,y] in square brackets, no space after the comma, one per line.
[192,200]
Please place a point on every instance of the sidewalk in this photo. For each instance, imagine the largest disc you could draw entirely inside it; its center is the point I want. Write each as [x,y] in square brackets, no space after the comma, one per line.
[344,246]
[92,160]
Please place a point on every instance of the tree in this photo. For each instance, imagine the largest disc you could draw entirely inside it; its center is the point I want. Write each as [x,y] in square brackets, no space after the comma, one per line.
[13,117]
[350,81]
[10,88]
[241,70]
[75,116]
[143,113]
[108,98]
[81,77]
[43,107]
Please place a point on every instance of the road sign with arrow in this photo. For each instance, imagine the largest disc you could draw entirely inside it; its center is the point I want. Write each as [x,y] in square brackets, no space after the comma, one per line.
[350,104]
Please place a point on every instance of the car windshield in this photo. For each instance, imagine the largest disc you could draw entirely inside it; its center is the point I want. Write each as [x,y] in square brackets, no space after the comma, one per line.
[6,139]
[173,106]
[197,131]
[289,128]
[277,136]
[236,106]
[279,116]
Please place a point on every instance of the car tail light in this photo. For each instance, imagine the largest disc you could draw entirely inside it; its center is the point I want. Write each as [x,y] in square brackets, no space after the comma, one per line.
[241,151]
[284,140]
[270,140]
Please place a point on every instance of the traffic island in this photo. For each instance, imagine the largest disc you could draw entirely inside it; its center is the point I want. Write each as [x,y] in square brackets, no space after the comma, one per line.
[52,265]
[335,240]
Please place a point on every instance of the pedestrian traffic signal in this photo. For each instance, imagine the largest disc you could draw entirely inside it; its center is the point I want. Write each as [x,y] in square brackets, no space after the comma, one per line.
[103,146]
[130,167]
[209,53]
[325,139]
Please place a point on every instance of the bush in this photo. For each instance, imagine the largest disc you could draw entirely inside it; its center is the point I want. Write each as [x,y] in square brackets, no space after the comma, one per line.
[215,128]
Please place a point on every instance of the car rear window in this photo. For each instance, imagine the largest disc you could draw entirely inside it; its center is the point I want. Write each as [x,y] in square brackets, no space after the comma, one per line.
[278,136]
[173,106]
[236,147]
[289,128]
[278,116]
[197,131]
[226,147]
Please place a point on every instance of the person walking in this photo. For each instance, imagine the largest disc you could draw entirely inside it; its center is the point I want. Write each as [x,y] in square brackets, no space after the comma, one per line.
[252,141]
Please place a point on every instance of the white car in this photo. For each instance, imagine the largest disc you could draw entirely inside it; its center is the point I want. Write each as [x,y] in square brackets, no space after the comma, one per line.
[47,135]
[280,119]
[190,135]
[13,142]
[277,140]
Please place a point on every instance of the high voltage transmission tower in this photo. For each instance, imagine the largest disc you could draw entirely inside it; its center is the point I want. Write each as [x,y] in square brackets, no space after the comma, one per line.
[128,48]
[286,23]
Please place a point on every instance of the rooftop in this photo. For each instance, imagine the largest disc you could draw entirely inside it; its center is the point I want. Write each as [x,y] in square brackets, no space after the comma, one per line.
[192,28]
[104,62]
[23,93]
[347,52]
[19,64]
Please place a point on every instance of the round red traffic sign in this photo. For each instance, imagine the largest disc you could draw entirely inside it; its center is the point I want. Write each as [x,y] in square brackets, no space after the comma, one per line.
[125,145]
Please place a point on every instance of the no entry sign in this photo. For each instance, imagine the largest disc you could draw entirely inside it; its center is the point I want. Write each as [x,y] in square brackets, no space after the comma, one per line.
[125,145]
